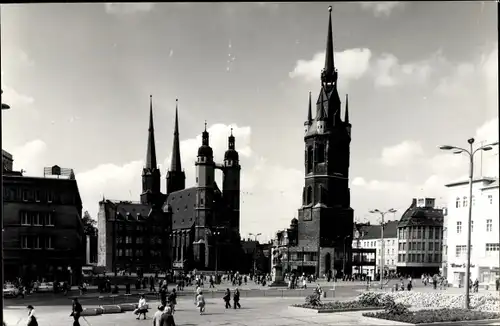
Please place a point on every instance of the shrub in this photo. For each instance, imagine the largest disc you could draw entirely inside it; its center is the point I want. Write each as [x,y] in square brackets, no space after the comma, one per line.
[372,299]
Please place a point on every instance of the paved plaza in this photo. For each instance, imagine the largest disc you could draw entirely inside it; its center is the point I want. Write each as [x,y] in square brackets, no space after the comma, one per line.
[254,312]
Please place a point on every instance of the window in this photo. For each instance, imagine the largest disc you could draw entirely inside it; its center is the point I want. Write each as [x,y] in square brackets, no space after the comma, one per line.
[310,159]
[25,195]
[457,202]
[392,261]
[431,233]
[490,199]
[320,153]
[473,200]
[404,245]
[431,246]
[48,243]
[49,197]
[489,225]
[37,219]
[25,218]
[423,246]
[36,243]
[460,251]
[436,258]
[491,247]
[119,252]
[24,242]
[393,242]
[37,196]
[392,251]
[400,246]
[138,240]
[471,226]
[464,202]
[138,253]
[437,232]
[128,239]
[309,195]
[128,252]
[459,227]
[419,233]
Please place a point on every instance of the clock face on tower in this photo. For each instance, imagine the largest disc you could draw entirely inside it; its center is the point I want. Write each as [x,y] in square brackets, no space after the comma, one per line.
[307,215]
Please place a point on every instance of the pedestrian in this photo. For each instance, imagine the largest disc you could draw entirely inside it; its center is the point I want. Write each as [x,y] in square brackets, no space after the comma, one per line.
[31,316]
[167,319]
[497,284]
[142,308]
[76,311]
[172,300]
[157,315]
[227,298]
[236,299]
[198,291]
[200,302]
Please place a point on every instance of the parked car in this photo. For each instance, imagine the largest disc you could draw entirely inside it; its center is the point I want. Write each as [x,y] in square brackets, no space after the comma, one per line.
[10,291]
[46,287]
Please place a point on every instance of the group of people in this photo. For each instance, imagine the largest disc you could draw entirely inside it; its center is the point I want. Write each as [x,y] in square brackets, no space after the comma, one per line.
[435,280]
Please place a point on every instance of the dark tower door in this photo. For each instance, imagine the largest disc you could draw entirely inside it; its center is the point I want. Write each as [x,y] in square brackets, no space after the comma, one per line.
[328,263]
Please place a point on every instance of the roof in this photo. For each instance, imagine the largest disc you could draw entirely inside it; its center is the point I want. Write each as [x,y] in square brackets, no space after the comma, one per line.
[374,231]
[422,216]
[183,204]
[128,210]
[464,182]
[494,184]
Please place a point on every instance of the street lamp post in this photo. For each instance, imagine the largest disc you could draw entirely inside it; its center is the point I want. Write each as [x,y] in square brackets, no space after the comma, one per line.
[470,154]
[217,233]
[382,215]
[255,251]
[4,107]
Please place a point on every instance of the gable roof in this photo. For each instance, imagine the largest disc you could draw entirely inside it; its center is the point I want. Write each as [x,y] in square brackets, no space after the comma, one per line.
[183,204]
[369,232]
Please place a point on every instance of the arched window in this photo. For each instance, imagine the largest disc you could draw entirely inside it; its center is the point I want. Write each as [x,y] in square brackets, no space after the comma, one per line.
[320,153]
[309,195]
[304,199]
[457,202]
[310,159]
[464,202]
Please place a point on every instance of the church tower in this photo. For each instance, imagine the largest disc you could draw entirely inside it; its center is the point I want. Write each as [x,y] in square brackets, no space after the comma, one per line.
[326,216]
[205,178]
[150,173]
[176,178]
[231,185]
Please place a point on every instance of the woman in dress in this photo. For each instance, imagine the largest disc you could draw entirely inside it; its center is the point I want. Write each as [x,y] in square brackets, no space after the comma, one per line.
[31,316]
[142,307]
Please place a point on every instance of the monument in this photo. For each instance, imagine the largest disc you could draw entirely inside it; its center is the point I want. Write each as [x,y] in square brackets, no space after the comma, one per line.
[277,277]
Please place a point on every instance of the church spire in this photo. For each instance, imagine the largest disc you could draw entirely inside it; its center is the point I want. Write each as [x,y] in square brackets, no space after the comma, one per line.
[175,164]
[346,119]
[151,151]
[309,112]
[329,74]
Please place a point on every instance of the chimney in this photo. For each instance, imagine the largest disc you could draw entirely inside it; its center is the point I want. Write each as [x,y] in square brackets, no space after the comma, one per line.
[413,202]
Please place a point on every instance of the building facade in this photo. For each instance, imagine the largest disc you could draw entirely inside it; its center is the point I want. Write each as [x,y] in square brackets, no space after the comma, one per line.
[7,161]
[420,239]
[188,228]
[91,249]
[370,239]
[42,219]
[484,231]
[325,218]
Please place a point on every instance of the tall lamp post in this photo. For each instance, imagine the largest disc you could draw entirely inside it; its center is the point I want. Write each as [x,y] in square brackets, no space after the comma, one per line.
[470,154]
[217,232]
[4,107]
[255,235]
[382,215]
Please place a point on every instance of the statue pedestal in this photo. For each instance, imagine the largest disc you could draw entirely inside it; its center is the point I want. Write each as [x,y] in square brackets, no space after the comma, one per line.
[277,279]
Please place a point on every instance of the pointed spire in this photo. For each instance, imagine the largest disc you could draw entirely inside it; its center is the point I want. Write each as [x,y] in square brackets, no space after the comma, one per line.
[346,119]
[329,74]
[231,140]
[175,164]
[309,112]
[204,135]
[151,151]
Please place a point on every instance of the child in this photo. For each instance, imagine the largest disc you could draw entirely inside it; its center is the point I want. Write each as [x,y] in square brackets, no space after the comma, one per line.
[142,307]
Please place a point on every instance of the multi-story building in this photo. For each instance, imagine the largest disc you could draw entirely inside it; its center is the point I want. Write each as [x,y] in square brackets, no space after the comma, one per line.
[325,218]
[186,228]
[91,249]
[370,237]
[420,238]
[485,246]
[7,161]
[43,229]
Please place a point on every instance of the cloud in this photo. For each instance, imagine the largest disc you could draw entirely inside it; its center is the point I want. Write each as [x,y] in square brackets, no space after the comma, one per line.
[381,8]
[276,187]
[401,154]
[25,59]
[354,63]
[128,8]
[15,99]
[388,72]
[30,157]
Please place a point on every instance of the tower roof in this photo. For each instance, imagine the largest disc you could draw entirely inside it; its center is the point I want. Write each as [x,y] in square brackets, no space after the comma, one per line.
[231,153]
[309,112]
[205,149]
[329,74]
[175,164]
[346,119]
[151,162]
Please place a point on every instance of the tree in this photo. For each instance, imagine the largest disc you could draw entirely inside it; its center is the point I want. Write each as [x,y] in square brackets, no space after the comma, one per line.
[89,224]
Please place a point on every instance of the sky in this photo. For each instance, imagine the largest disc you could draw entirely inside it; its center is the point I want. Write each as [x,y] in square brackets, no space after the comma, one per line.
[78,78]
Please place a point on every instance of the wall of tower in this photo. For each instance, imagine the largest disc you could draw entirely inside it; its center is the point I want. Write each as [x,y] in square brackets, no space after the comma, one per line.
[231,193]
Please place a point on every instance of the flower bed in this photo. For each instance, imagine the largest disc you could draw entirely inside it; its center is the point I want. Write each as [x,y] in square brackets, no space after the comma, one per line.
[433,316]
[337,306]
[480,302]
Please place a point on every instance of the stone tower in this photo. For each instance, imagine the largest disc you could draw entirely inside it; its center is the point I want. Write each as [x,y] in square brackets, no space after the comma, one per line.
[176,178]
